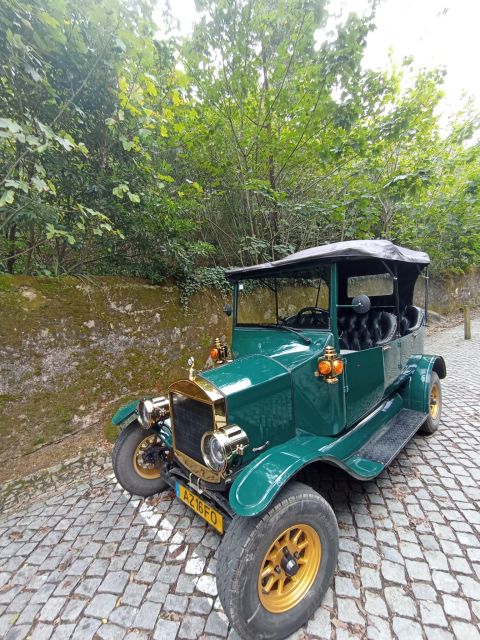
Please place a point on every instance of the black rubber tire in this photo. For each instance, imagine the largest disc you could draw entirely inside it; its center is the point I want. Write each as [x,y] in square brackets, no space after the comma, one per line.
[431,425]
[122,462]
[243,548]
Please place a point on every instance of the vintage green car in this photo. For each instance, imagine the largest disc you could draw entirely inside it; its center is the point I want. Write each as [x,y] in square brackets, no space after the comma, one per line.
[326,368]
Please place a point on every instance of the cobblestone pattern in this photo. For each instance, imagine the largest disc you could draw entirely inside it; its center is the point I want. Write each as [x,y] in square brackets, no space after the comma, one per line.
[92,563]
[16,493]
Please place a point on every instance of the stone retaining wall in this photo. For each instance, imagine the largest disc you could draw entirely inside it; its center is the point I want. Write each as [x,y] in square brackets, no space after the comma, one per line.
[451,293]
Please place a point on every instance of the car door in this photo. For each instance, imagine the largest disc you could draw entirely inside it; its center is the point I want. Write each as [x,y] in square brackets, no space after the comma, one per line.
[364,381]
[392,363]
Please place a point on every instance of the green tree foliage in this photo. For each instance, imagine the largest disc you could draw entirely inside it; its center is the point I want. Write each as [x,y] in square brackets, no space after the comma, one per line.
[301,145]
[125,152]
[88,103]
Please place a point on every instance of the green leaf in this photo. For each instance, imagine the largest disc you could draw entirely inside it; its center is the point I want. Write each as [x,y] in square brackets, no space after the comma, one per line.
[17,184]
[66,144]
[82,148]
[46,130]
[7,197]
[165,178]
[51,231]
[33,73]
[127,144]
[49,20]
[134,197]
[10,125]
[120,190]
[40,184]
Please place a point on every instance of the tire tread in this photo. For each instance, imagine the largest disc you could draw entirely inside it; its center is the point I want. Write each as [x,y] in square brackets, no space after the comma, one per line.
[237,539]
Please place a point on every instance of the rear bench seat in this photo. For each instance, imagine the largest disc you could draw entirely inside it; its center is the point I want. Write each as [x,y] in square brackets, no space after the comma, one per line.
[411,319]
[364,331]
[375,328]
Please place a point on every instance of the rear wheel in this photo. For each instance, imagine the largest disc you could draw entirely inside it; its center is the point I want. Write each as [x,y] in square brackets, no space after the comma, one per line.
[432,422]
[133,464]
[274,569]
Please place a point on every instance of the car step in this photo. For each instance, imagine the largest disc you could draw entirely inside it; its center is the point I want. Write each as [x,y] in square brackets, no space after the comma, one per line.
[392,437]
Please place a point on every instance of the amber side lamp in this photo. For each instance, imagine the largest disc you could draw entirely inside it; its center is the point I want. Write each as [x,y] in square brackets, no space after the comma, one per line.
[330,366]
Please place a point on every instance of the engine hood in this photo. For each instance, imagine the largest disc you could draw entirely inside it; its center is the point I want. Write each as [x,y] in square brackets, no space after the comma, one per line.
[258,398]
[259,385]
[238,376]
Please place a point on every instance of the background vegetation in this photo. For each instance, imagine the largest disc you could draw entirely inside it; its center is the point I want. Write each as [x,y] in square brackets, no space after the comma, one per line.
[123,152]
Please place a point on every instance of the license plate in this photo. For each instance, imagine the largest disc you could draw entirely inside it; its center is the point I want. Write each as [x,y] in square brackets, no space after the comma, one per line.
[203,509]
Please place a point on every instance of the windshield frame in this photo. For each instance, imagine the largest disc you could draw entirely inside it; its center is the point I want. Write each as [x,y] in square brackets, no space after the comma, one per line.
[326,278]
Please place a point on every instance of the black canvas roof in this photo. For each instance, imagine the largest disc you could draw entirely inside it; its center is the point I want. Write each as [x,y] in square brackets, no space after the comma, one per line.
[337,251]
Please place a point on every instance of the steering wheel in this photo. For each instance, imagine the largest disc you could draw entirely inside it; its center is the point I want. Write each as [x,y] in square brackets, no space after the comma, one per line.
[321,315]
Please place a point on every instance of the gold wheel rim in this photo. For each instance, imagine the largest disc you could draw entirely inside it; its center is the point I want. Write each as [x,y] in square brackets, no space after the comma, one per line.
[278,589]
[434,398]
[145,470]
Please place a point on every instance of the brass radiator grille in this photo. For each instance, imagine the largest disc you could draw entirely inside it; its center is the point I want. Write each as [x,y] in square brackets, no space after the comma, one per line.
[191,420]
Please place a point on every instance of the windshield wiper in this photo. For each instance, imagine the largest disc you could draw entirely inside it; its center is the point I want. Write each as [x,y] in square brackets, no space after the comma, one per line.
[287,328]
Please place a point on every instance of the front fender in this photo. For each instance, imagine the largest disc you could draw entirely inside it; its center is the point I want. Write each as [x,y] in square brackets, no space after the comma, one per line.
[256,485]
[416,393]
[125,412]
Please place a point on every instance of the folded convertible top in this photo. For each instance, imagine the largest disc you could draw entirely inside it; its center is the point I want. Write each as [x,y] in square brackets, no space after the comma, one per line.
[349,250]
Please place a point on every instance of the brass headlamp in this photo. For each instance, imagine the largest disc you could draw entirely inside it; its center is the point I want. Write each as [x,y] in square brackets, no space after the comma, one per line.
[152,410]
[222,449]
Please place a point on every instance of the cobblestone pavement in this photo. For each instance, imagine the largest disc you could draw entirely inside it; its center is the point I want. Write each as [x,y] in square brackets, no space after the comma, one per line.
[91,563]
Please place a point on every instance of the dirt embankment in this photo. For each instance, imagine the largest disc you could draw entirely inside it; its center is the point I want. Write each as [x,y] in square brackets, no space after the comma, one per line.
[72,351]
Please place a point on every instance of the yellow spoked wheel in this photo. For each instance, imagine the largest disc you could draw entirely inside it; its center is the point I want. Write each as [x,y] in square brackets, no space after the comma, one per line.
[145,469]
[274,569]
[434,401]
[289,568]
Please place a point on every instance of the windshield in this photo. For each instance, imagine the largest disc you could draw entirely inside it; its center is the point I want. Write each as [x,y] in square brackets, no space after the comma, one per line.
[300,301]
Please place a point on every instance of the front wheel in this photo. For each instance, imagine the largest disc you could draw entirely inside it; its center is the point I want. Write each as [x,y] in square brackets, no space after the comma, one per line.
[432,422]
[132,464]
[273,570]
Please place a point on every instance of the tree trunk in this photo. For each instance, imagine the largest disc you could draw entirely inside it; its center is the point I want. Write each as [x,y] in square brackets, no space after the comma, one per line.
[11,236]
[271,159]
[31,247]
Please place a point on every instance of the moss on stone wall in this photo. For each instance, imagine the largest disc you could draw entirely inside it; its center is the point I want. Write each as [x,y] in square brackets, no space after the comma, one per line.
[72,351]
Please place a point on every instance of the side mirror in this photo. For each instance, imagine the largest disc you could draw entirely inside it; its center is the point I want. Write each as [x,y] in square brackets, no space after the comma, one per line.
[361,304]
[228,309]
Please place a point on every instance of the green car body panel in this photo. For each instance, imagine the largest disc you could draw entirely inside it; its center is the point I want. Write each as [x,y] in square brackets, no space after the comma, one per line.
[419,371]
[256,485]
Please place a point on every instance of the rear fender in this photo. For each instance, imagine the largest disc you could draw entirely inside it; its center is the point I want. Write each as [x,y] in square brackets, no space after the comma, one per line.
[257,485]
[416,393]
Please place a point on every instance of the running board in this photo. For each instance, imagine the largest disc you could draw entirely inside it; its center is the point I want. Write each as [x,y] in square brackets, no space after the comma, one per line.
[387,442]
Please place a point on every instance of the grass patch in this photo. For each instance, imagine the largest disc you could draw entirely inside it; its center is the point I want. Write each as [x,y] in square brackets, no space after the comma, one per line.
[110,431]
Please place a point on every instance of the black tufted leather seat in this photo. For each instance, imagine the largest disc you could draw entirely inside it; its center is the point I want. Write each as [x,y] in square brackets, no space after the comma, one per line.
[411,319]
[363,331]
